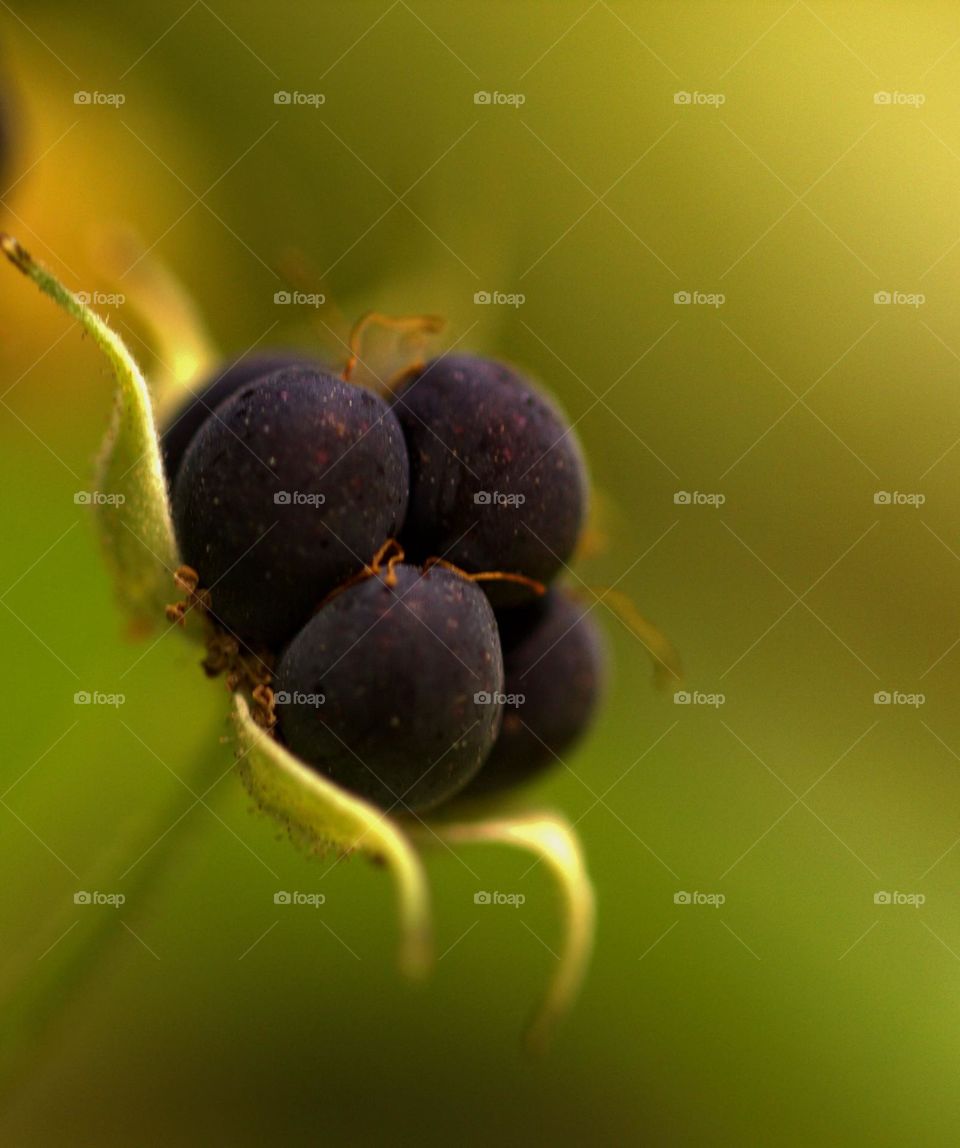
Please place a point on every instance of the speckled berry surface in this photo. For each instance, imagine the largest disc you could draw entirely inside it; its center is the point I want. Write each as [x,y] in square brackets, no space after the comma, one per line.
[554,660]
[497,477]
[209,393]
[290,490]
[391,691]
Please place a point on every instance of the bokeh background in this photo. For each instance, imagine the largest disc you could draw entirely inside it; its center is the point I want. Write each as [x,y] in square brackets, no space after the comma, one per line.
[782,163]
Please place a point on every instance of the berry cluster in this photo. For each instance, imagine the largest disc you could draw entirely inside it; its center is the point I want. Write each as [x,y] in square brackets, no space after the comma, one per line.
[389,559]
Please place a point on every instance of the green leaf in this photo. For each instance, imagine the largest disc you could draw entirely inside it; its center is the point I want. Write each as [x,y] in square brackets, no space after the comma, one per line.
[131,507]
[321,815]
[553,841]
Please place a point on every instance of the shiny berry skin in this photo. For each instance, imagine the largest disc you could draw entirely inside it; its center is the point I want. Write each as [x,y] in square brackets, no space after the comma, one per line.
[497,478]
[293,487]
[553,656]
[392,691]
[210,393]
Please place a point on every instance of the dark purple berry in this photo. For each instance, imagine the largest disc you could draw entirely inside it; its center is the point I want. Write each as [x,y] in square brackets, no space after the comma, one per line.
[497,478]
[210,393]
[391,690]
[553,659]
[293,487]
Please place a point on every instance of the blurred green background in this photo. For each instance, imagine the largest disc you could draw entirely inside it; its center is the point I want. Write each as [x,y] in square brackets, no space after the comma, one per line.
[800,1011]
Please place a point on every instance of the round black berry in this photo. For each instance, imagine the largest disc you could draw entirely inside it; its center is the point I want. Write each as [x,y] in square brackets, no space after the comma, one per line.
[210,393]
[393,690]
[497,478]
[553,657]
[294,486]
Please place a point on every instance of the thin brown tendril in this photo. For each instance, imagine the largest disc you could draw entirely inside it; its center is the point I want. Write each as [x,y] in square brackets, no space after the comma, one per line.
[667,668]
[265,712]
[242,668]
[186,579]
[422,324]
[386,558]
[488,575]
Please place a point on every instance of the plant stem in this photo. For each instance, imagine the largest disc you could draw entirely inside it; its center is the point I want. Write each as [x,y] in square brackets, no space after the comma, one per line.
[42,994]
